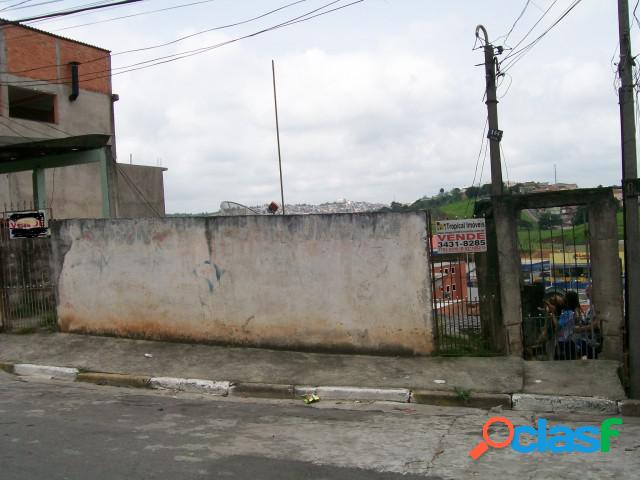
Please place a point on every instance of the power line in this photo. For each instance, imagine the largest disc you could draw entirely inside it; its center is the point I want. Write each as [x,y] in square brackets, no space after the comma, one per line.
[14,131]
[482,143]
[524,9]
[17,6]
[526,49]
[68,11]
[29,127]
[185,54]
[149,12]
[504,159]
[76,15]
[77,10]
[177,40]
[486,149]
[137,191]
[544,14]
[503,76]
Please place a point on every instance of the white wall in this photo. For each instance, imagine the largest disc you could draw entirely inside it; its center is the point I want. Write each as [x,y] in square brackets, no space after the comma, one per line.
[349,282]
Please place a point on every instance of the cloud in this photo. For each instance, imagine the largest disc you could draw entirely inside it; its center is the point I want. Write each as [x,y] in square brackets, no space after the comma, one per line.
[369,109]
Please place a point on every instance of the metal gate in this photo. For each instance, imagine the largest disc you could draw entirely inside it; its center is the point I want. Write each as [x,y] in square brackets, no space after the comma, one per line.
[558,319]
[456,303]
[27,293]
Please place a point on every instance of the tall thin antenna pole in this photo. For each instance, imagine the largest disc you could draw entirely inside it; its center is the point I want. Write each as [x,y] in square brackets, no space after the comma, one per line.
[275,102]
[555,174]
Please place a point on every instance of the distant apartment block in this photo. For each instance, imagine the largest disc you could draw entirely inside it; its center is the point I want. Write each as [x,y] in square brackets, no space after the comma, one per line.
[450,279]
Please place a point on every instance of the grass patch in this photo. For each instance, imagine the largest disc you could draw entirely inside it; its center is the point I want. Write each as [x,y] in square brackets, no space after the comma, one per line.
[462,394]
[466,344]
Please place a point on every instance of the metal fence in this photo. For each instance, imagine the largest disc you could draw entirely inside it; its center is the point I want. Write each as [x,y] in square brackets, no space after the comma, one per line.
[27,291]
[459,328]
[542,342]
[456,302]
[556,261]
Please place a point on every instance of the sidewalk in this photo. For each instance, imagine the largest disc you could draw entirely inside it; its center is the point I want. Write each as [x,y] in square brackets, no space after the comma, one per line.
[437,380]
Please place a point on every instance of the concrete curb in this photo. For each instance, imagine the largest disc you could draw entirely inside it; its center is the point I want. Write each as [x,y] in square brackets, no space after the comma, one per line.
[356,393]
[192,385]
[515,401]
[452,399]
[262,390]
[7,367]
[114,379]
[629,408]
[30,370]
[559,403]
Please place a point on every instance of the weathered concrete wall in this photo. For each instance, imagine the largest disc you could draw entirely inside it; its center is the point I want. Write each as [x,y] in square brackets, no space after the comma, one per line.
[75,191]
[71,192]
[606,274]
[140,191]
[350,282]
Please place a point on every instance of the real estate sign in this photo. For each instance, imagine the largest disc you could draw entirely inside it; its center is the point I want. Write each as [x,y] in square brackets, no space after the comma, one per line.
[28,224]
[460,236]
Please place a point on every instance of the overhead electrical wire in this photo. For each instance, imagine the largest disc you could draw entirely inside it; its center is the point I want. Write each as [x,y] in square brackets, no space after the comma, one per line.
[67,12]
[519,54]
[482,144]
[148,12]
[63,18]
[95,6]
[164,44]
[137,190]
[544,14]
[524,9]
[189,53]
[22,6]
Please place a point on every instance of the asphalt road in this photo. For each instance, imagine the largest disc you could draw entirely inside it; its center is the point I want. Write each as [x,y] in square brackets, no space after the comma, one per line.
[51,430]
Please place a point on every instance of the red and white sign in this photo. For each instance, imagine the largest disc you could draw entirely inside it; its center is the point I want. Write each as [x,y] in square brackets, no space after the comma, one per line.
[460,236]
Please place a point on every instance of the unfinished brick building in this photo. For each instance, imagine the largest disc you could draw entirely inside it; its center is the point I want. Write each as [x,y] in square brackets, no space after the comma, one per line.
[57,133]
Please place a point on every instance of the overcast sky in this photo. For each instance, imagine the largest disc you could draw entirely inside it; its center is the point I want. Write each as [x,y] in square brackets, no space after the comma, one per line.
[379,101]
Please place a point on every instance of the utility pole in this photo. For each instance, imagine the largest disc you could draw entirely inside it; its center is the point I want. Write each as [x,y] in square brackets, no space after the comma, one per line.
[495,134]
[504,218]
[630,187]
[275,102]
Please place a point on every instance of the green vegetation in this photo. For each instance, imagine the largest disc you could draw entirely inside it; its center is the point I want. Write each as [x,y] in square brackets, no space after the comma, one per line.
[532,238]
[459,209]
[533,232]
[462,394]
[469,343]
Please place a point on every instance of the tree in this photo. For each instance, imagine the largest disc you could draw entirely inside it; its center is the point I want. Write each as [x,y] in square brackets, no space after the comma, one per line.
[548,220]
[472,192]
[580,217]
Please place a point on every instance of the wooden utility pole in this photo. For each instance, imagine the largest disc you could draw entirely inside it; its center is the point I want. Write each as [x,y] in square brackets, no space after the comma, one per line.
[630,189]
[275,102]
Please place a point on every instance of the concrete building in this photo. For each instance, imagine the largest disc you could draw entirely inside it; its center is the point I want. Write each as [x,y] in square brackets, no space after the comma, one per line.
[57,134]
[450,280]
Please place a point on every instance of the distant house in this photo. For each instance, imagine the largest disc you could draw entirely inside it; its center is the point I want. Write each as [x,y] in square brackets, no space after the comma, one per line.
[450,280]
[57,134]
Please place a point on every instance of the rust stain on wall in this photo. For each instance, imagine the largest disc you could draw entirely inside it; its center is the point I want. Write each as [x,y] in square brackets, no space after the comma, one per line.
[311,335]
[337,283]
[161,236]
